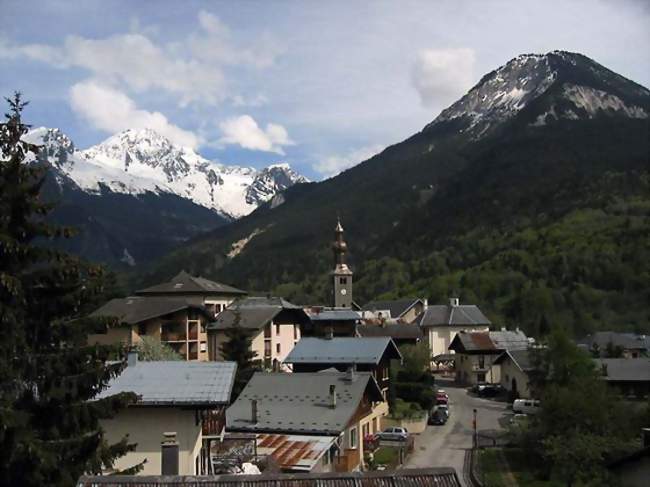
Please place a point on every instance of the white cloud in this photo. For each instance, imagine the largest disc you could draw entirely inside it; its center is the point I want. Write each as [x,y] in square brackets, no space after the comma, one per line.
[112,111]
[333,165]
[441,75]
[245,132]
[192,69]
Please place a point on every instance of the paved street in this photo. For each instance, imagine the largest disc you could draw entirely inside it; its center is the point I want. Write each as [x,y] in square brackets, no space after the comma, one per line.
[445,446]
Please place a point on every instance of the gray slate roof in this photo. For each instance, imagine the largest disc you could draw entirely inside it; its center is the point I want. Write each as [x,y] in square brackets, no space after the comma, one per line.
[176,383]
[342,350]
[628,341]
[299,403]
[396,307]
[256,312]
[625,369]
[135,309]
[521,358]
[397,331]
[333,314]
[424,477]
[447,315]
[184,283]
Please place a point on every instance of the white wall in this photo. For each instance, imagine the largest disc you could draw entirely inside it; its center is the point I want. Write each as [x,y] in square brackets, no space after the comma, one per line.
[145,426]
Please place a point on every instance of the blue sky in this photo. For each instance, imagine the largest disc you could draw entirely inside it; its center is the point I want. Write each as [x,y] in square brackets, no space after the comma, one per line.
[321,85]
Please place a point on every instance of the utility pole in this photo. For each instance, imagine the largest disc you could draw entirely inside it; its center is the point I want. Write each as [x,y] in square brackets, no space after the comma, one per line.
[475,431]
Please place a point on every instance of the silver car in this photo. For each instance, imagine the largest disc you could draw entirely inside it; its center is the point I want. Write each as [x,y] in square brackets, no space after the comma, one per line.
[394,433]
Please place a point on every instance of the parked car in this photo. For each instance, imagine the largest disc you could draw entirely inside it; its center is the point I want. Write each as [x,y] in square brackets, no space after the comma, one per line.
[443,409]
[394,433]
[442,392]
[489,390]
[442,400]
[437,418]
[527,406]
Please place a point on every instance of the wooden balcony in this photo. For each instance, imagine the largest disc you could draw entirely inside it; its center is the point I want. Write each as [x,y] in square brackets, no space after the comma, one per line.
[348,461]
[213,422]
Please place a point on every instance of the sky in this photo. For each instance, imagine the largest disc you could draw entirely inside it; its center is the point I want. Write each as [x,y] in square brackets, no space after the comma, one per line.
[320,85]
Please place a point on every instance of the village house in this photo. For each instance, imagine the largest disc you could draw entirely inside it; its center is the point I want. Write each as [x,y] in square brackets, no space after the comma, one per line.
[372,355]
[212,295]
[180,402]
[441,323]
[475,353]
[324,321]
[610,344]
[628,376]
[402,310]
[515,372]
[327,410]
[400,333]
[173,321]
[421,477]
[273,323]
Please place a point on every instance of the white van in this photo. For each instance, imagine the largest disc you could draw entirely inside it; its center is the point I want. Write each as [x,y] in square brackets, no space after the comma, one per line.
[526,406]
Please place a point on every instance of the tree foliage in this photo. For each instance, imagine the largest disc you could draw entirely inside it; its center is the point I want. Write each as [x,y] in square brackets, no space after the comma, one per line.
[238,348]
[151,349]
[49,426]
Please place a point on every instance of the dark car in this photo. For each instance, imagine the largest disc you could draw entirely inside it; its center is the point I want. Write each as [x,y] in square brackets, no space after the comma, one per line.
[437,418]
[489,390]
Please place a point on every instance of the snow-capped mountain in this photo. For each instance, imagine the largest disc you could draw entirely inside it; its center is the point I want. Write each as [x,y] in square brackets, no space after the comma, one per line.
[576,88]
[140,161]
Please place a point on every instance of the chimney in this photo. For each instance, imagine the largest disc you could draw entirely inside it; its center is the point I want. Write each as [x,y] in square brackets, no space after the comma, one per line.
[454,302]
[332,396]
[426,304]
[132,357]
[169,450]
[254,411]
[646,437]
[351,375]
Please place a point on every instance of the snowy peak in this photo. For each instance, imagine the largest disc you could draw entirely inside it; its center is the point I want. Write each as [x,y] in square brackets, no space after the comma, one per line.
[576,87]
[139,161]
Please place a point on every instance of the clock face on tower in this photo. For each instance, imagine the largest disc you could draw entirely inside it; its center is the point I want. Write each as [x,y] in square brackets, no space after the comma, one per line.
[344,292]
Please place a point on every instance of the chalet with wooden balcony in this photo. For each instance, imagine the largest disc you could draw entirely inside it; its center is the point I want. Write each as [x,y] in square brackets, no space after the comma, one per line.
[273,323]
[213,296]
[186,400]
[329,410]
[174,321]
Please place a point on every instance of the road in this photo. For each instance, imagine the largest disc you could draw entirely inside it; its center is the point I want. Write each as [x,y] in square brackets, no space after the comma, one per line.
[446,446]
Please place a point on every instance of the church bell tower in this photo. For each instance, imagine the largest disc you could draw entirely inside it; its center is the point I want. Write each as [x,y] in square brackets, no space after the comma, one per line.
[342,274]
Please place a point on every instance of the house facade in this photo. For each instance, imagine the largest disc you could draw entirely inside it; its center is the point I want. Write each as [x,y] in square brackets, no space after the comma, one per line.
[328,407]
[476,352]
[186,400]
[173,321]
[627,376]
[399,310]
[274,325]
[441,323]
[515,368]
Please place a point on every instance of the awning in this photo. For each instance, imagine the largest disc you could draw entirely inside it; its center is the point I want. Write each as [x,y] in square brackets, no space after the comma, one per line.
[294,452]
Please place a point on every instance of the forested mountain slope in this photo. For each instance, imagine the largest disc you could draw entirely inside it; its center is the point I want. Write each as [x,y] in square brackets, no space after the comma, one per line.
[529,196]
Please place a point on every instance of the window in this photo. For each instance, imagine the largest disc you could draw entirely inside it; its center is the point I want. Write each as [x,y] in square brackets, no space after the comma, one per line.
[142,329]
[277,348]
[343,280]
[217,308]
[366,429]
[277,329]
[480,377]
[481,361]
[353,437]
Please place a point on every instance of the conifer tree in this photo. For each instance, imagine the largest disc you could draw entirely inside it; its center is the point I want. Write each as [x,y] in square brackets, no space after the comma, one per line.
[49,426]
[237,348]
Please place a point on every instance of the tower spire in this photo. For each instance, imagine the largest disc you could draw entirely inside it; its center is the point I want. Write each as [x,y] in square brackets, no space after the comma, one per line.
[342,273]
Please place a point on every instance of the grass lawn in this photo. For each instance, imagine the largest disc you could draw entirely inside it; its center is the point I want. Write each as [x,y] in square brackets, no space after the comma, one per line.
[508,468]
[386,455]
